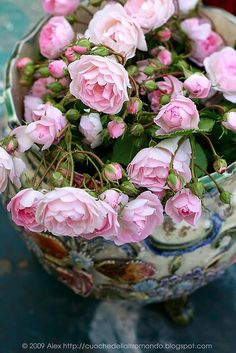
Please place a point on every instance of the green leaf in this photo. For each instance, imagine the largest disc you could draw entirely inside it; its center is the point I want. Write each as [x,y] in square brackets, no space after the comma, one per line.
[178,133]
[200,159]
[206,124]
[125,149]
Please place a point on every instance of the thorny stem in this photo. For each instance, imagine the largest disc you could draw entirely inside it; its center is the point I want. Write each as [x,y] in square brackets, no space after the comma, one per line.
[48,170]
[135,86]
[215,107]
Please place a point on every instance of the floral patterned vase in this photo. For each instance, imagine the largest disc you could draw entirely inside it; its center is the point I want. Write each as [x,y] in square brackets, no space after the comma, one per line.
[171,263]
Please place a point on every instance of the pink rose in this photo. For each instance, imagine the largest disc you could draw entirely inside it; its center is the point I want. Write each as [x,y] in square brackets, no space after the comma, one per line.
[150,14]
[184,206]
[150,167]
[187,6]
[114,198]
[113,171]
[139,218]
[198,86]
[230,121]
[91,127]
[164,35]
[70,212]
[23,62]
[155,98]
[221,69]
[164,56]
[112,27]
[201,49]
[23,207]
[180,114]
[31,103]
[116,128]
[60,7]
[99,82]
[57,68]
[196,28]
[171,86]
[55,35]
[44,131]
[39,88]
[10,168]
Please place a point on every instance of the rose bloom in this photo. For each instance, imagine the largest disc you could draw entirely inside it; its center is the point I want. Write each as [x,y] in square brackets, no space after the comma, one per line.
[44,131]
[31,103]
[139,218]
[171,86]
[180,114]
[99,82]
[155,98]
[91,127]
[198,86]
[55,35]
[112,27]
[196,28]
[201,49]
[70,212]
[184,206]
[150,14]
[10,168]
[150,167]
[57,68]
[116,129]
[60,7]
[221,69]
[230,122]
[187,6]
[23,207]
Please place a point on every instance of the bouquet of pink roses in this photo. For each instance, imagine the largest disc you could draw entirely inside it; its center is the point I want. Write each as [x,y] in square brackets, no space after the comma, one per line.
[126,116]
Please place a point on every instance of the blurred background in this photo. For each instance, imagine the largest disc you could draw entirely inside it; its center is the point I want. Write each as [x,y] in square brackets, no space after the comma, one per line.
[34,307]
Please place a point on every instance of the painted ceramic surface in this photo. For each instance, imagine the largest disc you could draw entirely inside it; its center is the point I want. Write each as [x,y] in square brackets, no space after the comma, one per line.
[174,261]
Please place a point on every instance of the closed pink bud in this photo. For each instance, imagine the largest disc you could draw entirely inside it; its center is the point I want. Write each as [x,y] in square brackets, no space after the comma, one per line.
[70,55]
[79,50]
[165,57]
[22,62]
[57,68]
[164,35]
[113,171]
[60,7]
[134,105]
[116,129]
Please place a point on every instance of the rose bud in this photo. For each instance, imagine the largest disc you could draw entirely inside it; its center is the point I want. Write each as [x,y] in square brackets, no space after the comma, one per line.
[149,70]
[197,85]
[165,57]
[71,55]
[134,105]
[230,120]
[113,171]
[164,35]
[83,44]
[137,130]
[132,70]
[225,197]
[197,188]
[150,85]
[220,165]
[43,71]
[165,99]
[60,7]
[116,128]
[72,115]
[128,188]
[55,87]
[101,51]
[23,62]
[57,68]
[12,145]
[174,181]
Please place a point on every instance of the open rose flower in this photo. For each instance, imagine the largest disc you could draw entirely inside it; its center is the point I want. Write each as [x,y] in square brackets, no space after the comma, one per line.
[55,35]
[184,206]
[112,27]
[57,68]
[70,212]
[221,69]
[10,168]
[150,167]
[198,86]
[230,121]
[171,86]
[99,82]
[139,218]
[180,114]
[150,14]
[31,103]
[60,7]
[44,131]
[91,127]
[196,28]
[23,208]
[114,198]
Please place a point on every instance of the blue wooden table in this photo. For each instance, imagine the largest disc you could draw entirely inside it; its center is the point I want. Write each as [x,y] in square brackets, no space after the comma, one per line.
[36,311]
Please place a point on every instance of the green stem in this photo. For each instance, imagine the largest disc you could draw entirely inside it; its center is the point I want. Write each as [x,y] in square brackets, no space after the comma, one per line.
[210,144]
[193,147]
[209,175]
[215,107]
[46,172]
